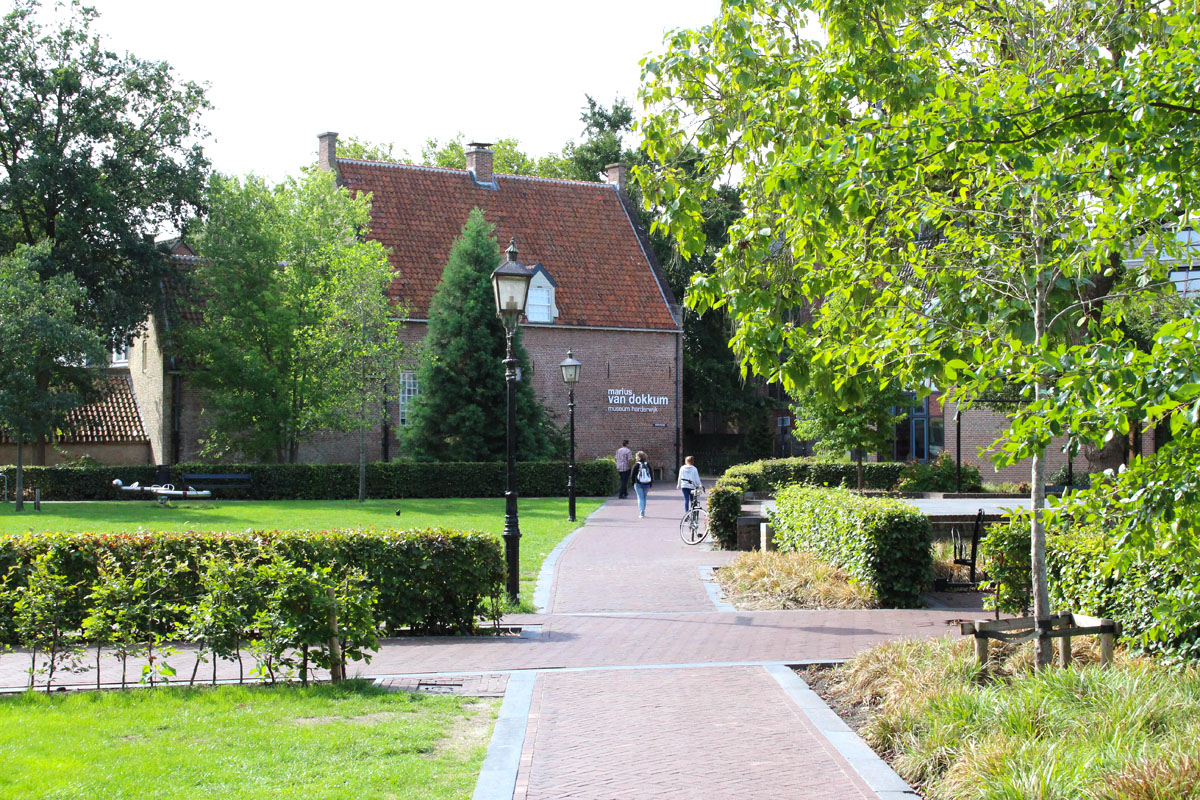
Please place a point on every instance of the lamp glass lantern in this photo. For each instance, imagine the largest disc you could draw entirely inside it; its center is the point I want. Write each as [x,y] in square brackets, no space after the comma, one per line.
[510,283]
[570,369]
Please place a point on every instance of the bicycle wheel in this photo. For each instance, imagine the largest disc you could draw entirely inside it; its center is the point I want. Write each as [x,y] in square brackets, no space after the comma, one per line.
[693,528]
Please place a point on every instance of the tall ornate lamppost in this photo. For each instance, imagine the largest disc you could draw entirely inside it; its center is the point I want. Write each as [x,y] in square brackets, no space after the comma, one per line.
[570,372]
[510,282]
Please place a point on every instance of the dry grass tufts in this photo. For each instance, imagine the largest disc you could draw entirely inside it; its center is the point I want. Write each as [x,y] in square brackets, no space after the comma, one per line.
[959,732]
[1167,777]
[772,580]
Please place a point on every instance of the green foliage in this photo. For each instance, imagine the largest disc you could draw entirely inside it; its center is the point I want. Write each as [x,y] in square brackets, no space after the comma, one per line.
[724,508]
[44,348]
[430,581]
[1078,479]
[772,474]
[1146,594]
[41,595]
[460,413]
[296,333]
[219,619]
[938,475]
[296,605]
[883,544]
[1004,555]
[98,153]
[957,195]
[338,481]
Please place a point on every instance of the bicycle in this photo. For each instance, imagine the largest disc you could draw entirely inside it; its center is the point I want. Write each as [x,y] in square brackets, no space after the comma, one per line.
[693,528]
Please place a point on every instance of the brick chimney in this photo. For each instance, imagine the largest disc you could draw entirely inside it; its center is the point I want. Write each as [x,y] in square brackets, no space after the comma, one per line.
[327,151]
[615,174]
[479,162]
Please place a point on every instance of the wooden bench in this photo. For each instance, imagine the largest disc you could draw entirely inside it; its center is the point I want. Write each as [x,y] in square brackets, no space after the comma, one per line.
[217,481]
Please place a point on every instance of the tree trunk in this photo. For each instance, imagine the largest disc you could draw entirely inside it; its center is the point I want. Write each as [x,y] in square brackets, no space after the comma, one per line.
[860,469]
[20,498]
[1044,647]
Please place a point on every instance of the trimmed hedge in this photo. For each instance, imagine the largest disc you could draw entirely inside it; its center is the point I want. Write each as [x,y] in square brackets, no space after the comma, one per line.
[430,581]
[724,507]
[1077,580]
[335,481]
[773,474]
[883,544]
[939,475]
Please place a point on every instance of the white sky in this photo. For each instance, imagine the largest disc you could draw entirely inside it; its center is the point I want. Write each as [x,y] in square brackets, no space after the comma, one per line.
[279,73]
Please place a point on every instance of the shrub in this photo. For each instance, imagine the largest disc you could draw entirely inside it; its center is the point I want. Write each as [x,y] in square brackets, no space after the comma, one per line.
[724,507]
[1004,555]
[428,581]
[883,544]
[336,481]
[1081,480]
[773,474]
[1079,581]
[938,475]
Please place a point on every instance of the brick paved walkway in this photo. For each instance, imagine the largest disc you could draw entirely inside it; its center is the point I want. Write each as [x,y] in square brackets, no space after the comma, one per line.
[640,687]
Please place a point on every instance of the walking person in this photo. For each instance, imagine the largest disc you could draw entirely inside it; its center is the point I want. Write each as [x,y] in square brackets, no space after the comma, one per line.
[624,465]
[643,479]
[689,481]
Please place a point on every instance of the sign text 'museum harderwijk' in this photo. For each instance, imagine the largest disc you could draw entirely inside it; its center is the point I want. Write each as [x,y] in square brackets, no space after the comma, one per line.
[626,400]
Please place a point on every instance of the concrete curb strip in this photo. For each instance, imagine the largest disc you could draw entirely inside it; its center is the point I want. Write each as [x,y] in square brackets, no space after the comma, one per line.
[882,779]
[498,777]
[709,576]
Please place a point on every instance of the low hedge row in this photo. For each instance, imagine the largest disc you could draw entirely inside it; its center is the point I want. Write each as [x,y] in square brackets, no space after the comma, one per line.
[724,508]
[1078,582]
[884,544]
[773,474]
[429,581]
[334,481]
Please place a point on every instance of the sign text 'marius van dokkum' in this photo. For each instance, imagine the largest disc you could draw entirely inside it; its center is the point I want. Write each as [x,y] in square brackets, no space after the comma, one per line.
[628,400]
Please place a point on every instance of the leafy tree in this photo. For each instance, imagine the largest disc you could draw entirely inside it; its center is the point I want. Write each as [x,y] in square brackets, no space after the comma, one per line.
[507,158]
[97,154]
[44,351]
[967,180]
[460,413]
[41,615]
[867,425]
[297,334]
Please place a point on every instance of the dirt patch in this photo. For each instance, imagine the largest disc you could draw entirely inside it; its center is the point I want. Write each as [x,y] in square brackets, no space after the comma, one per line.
[471,731]
[818,677]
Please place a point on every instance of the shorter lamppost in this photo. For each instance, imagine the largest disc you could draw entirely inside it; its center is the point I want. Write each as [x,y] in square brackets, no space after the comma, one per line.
[510,282]
[570,372]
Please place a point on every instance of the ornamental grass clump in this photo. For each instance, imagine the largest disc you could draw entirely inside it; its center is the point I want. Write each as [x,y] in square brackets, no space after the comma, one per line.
[772,580]
[962,733]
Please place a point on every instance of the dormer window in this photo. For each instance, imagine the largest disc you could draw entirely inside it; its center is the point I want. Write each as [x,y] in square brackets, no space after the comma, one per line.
[540,306]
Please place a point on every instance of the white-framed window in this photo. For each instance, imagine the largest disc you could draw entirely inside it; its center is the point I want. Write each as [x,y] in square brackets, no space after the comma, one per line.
[120,356]
[540,305]
[408,390]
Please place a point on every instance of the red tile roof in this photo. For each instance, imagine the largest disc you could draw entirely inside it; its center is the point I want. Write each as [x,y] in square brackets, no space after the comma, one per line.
[582,233]
[113,420]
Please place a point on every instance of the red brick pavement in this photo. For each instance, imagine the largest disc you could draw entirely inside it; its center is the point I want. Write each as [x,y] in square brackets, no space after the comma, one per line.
[726,733]
[622,563]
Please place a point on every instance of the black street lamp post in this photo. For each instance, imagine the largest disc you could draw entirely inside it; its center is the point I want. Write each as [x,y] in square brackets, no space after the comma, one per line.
[570,374]
[510,282]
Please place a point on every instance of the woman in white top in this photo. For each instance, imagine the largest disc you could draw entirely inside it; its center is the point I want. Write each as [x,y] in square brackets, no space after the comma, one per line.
[689,481]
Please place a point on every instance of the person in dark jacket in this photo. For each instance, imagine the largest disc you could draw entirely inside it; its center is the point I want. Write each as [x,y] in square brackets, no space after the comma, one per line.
[643,479]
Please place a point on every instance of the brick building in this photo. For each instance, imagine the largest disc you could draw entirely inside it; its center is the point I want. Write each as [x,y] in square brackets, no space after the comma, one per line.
[597,291]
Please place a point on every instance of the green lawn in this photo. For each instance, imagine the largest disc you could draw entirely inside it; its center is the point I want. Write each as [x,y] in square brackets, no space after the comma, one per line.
[543,520]
[353,741]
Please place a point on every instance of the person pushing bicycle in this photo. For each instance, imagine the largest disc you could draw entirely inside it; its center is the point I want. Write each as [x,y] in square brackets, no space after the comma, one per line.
[688,481]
